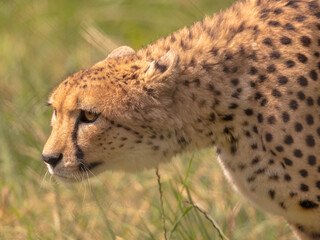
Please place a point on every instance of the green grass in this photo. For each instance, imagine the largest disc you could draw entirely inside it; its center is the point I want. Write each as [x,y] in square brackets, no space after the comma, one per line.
[41,42]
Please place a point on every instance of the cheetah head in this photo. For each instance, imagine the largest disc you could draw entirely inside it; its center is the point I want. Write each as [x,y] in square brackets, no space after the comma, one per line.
[117,115]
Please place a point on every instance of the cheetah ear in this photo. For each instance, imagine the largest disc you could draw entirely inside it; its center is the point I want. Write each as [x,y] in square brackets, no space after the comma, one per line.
[164,66]
[118,52]
[121,52]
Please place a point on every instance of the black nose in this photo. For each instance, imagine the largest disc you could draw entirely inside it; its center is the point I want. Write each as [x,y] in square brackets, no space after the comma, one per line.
[52,159]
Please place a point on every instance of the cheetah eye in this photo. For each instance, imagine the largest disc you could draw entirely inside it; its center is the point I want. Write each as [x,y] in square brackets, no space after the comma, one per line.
[88,117]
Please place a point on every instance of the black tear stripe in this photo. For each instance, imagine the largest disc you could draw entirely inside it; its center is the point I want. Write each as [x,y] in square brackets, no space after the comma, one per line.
[79,152]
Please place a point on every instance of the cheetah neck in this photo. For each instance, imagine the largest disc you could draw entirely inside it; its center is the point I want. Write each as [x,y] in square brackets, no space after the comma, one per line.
[213,84]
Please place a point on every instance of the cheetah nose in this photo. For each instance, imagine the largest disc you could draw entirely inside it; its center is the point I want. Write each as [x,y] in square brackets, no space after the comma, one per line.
[52,159]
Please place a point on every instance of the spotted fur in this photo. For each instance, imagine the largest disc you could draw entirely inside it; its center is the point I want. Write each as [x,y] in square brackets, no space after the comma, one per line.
[245,81]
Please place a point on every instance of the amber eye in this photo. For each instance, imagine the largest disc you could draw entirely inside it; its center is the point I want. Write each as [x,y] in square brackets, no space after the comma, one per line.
[88,117]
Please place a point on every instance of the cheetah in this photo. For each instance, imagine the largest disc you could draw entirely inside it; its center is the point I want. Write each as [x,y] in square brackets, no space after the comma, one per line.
[245,81]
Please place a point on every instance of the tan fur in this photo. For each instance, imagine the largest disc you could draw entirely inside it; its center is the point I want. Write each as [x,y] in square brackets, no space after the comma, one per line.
[245,81]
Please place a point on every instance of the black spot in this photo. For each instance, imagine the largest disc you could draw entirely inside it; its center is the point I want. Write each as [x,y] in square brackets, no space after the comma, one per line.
[233,149]
[247,133]
[268,137]
[302,81]
[262,78]
[285,117]
[274,177]
[313,75]
[318,184]
[263,102]
[288,140]
[228,118]
[278,11]
[298,127]
[290,63]
[255,161]
[312,160]
[233,106]
[260,118]
[275,54]
[212,117]
[300,18]
[257,96]
[279,148]
[309,119]
[297,153]
[271,68]
[293,105]
[271,193]
[307,204]
[282,205]
[253,71]
[235,81]
[285,40]
[287,177]
[274,23]
[251,179]
[289,26]
[310,101]
[254,146]
[303,173]
[252,84]
[305,41]
[301,95]
[292,194]
[267,41]
[248,112]
[310,141]
[276,93]
[304,187]
[271,119]
[300,227]
[318,101]
[287,161]
[302,58]
[282,80]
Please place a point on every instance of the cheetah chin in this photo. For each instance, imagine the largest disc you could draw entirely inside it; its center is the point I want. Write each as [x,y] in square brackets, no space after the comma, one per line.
[246,81]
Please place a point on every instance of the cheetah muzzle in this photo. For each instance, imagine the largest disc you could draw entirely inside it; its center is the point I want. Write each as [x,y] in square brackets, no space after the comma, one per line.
[246,81]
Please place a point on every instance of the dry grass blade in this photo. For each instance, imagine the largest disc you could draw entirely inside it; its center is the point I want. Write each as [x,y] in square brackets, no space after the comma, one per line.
[211,220]
[161,203]
[93,35]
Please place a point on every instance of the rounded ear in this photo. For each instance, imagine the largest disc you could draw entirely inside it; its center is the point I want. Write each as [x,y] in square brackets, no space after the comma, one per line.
[118,52]
[121,51]
[163,66]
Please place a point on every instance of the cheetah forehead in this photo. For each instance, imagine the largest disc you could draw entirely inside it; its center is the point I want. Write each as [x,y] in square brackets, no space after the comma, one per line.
[115,85]
[95,88]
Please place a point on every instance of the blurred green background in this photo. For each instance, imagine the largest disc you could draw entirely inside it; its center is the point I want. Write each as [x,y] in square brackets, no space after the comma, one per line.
[42,42]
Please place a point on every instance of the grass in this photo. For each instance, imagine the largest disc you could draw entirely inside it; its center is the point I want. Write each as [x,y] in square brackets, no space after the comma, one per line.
[41,42]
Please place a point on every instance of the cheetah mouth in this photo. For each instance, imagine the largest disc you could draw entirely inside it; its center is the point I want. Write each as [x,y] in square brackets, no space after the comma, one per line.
[78,174]
[87,168]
